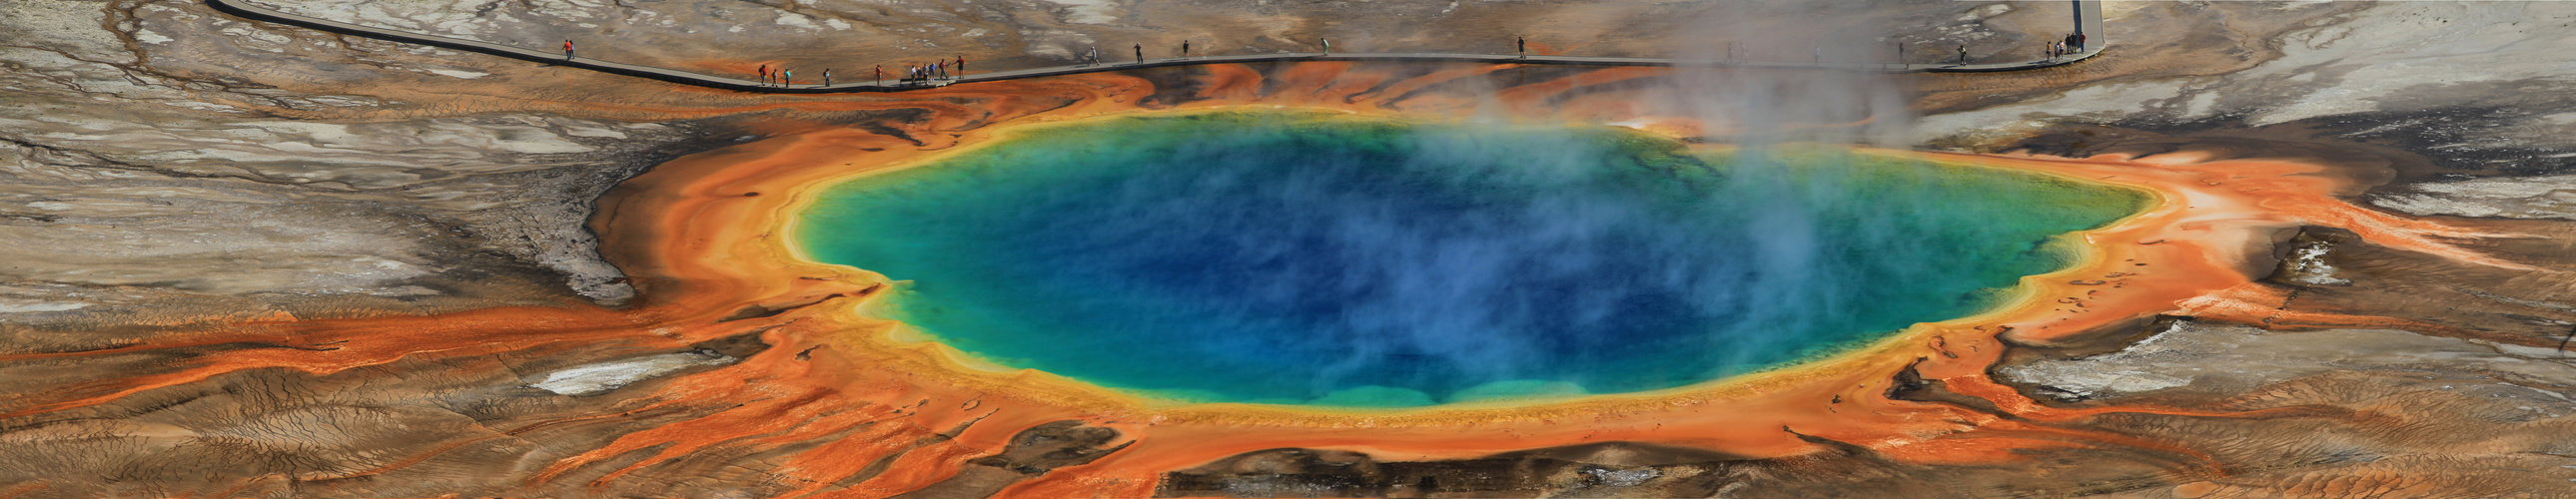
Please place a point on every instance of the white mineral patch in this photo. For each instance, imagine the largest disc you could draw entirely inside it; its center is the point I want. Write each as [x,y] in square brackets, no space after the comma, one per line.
[462,75]
[799,21]
[599,378]
[2115,373]
[2309,260]
[2527,197]
[2201,104]
[1090,11]
[1624,478]
[20,308]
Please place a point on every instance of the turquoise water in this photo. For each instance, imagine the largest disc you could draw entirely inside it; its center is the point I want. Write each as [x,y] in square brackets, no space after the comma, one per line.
[1326,260]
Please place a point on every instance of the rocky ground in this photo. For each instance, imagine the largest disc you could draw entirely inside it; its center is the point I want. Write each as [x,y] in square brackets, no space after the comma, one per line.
[166,169]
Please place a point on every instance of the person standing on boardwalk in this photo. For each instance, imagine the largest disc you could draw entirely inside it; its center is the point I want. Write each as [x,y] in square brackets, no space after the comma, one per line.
[827,77]
[764,74]
[1963,55]
[567,49]
[961,66]
[2079,41]
[880,80]
[1328,46]
[1185,49]
[1522,45]
[1140,53]
[786,78]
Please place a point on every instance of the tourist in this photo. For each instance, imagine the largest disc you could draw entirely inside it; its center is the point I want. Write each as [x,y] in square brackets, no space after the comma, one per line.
[1140,53]
[2079,41]
[1522,44]
[827,77]
[880,79]
[764,74]
[567,49]
[961,66]
[786,78]
[1963,55]
[1185,49]
[1328,46]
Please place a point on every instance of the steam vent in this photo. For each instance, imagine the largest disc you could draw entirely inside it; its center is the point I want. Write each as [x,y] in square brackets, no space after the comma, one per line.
[1060,249]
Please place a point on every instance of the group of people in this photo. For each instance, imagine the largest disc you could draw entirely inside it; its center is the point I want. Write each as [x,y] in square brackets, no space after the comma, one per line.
[781,77]
[944,68]
[2072,44]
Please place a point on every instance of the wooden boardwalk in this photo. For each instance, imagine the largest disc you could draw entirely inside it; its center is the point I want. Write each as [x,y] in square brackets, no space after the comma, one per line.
[2091,13]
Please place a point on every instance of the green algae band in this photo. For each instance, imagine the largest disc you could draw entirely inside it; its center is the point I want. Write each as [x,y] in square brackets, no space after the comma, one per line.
[1340,261]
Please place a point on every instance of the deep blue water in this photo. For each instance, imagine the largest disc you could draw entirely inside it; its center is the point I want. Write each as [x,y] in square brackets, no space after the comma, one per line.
[1315,259]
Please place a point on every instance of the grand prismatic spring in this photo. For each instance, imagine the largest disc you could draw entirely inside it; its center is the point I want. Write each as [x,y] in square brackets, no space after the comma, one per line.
[376,248]
[1327,260]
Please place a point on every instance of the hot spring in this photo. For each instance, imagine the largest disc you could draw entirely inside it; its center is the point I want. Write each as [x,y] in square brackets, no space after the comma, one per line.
[1345,261]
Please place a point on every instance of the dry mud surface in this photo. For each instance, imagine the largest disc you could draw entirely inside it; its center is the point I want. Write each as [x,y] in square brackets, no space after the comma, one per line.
[247,260]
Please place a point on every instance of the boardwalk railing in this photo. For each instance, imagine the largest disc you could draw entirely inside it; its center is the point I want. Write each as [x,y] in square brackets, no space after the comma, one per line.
[247,10]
